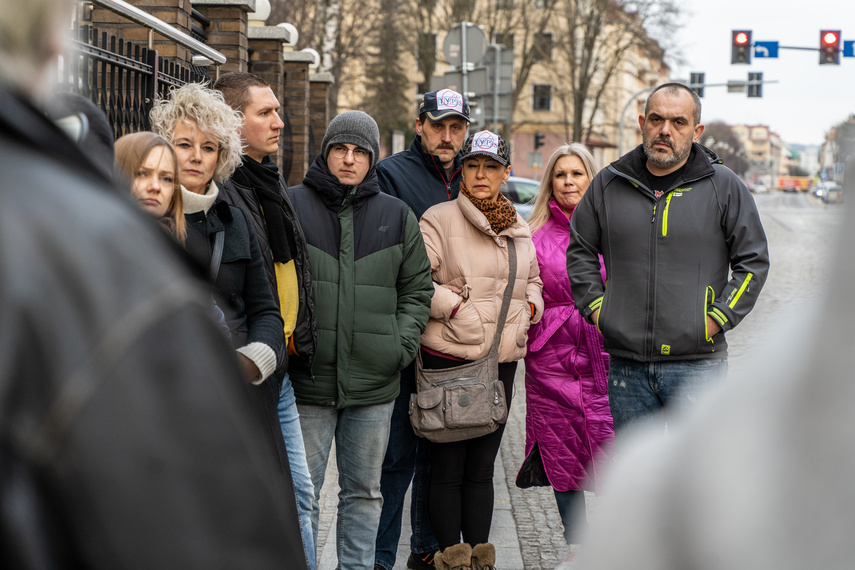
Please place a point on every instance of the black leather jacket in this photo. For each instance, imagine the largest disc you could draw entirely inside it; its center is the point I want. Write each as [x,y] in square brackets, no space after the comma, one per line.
[237,192]
[127,439]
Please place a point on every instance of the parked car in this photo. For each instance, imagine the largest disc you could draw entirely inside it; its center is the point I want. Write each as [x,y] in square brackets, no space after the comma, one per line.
[832,193]
[521,192]
[759,188]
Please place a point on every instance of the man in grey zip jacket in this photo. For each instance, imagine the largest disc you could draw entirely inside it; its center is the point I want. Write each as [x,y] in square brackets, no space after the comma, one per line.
[685,255]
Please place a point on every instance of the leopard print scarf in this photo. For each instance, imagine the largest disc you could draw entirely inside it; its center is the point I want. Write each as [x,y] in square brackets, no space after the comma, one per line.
[500,214]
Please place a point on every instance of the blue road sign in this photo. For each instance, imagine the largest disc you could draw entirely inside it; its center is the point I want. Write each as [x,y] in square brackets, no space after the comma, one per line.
[849,48]
[765,49]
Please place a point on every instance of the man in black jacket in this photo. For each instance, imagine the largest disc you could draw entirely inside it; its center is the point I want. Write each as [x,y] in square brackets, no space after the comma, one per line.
[260,190]
[423,176]
[685,254]
[126,437]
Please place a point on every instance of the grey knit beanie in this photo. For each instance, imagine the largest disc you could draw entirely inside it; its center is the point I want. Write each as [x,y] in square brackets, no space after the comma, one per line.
[353,127]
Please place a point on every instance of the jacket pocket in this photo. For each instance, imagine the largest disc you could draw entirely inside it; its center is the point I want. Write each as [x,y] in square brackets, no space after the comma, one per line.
[708,301]
[465,326]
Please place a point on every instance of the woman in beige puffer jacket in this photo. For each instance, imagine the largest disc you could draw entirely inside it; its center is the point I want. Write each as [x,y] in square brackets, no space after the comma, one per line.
[467,243]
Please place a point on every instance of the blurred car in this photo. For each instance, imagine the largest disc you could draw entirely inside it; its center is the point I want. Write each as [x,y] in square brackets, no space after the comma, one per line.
[759,188]
[832,193]
[521,192]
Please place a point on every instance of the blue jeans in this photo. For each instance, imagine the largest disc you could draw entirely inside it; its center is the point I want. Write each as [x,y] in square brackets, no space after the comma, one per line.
[361,434]
[289,419]
[406,456]
[638,390]
[574,514]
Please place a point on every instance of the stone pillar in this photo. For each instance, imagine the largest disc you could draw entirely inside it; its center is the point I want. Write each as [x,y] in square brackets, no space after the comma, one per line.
[228,30]
[319,111]
[176,13]
[296,75]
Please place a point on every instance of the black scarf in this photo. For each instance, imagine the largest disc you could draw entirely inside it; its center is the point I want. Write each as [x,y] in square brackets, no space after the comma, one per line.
[264,177]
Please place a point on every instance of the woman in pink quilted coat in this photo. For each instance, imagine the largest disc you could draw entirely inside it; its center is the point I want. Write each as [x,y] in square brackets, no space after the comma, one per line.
[568,422]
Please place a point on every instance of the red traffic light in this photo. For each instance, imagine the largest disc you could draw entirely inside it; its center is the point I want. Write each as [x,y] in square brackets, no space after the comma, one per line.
[829,38]
[741,38]
[829,47]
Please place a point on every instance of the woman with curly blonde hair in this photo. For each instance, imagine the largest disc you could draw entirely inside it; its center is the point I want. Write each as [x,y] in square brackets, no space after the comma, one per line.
[204,131]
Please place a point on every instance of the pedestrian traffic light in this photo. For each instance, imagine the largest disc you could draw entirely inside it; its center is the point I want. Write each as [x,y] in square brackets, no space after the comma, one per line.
[696,83]
[829,47]
[538,140]
[755,84]
[740,47]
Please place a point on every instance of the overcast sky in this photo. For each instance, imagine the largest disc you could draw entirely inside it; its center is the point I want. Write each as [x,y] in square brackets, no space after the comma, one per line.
[808,99]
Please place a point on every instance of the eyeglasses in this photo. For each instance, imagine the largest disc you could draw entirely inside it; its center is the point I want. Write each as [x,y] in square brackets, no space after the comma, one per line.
[359,155]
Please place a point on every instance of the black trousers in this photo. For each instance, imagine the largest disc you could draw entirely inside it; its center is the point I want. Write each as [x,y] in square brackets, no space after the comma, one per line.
[461,483]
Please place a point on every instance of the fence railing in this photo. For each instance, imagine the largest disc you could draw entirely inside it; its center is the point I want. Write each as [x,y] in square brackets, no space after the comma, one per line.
[125,78]
[153,24]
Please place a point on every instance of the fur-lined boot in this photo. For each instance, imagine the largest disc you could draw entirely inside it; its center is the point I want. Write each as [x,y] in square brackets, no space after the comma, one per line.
[456,557]
[484,557]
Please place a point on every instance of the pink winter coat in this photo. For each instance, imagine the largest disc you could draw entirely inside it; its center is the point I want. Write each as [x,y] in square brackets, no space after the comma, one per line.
[565,373]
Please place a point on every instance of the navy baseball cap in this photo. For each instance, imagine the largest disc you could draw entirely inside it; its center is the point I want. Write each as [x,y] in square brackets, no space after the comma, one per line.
[444,103]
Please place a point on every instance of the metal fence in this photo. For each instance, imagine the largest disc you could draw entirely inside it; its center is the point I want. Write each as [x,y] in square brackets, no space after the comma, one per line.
[122,78]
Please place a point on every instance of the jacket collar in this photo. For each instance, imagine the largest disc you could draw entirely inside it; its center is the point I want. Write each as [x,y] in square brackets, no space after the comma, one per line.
[475,217]
[433,163]
[27,125]
[561,219]
[633,165]
[332,192]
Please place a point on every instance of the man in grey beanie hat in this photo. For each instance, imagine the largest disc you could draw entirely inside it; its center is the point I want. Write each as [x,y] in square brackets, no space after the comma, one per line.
[356,128]
[372,290]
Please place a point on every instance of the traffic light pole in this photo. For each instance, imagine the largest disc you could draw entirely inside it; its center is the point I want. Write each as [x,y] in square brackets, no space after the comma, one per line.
[648,89]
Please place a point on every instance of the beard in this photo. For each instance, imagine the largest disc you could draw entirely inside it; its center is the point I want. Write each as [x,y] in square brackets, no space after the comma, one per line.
[665,161]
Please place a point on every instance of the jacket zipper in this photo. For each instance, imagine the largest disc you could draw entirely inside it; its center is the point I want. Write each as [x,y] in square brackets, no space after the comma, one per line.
[441,172]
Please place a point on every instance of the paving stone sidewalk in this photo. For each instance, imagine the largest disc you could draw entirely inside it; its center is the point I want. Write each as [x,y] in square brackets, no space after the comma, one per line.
[526,527]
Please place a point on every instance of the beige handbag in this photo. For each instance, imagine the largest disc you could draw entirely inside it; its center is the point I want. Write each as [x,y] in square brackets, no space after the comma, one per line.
[466,401]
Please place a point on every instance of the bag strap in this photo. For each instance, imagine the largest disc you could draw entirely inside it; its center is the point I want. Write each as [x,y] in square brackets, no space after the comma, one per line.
[509,291]
[217,255]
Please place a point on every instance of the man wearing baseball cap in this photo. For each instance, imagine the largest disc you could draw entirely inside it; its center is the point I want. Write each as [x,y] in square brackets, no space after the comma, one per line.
[426,174]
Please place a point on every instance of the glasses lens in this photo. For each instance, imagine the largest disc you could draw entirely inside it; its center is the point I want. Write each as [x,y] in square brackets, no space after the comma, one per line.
[359,155]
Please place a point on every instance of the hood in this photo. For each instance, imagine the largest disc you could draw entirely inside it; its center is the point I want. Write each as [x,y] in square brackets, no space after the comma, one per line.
[332,192]
[632,165]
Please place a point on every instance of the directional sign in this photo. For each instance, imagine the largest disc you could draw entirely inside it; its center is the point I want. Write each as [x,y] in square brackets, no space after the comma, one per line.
[454,80]
[765,49]
[849,48]
[476,44]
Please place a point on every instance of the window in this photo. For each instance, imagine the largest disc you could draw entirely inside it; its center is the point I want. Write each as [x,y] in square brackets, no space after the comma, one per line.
[542,49]
[506,40]
[542,98]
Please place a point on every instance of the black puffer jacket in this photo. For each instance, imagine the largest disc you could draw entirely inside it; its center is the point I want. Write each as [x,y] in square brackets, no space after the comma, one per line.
[238,191]
[127,439]
[418,178]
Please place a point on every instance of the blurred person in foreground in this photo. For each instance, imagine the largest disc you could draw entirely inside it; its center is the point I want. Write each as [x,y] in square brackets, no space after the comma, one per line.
[468,242]
[686,257]
[568,422]
[125,441]
[761,475]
